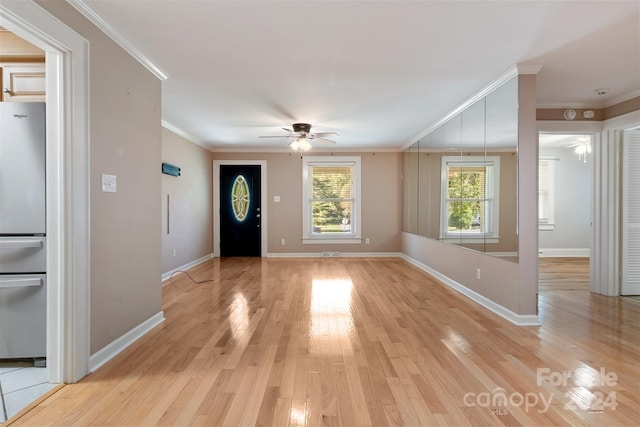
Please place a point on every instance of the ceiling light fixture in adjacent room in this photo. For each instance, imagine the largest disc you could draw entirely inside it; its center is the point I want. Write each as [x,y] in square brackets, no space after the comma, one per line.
[583,147]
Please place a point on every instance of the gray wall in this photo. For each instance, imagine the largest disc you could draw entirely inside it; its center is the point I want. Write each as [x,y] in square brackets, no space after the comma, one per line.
[573,195]
[190,202]
[124,118]
[381,198]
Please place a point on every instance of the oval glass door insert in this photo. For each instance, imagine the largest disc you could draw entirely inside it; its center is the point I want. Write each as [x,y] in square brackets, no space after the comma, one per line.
[240,198]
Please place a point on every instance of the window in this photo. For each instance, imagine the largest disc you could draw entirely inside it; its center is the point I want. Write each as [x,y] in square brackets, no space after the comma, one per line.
[470,198]
[546,173]
[331,199]
[240,198]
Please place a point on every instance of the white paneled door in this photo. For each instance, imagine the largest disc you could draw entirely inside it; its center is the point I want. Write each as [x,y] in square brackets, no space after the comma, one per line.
[631,213]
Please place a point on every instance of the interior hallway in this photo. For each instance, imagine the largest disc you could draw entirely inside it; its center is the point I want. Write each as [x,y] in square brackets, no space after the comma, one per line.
[357,341]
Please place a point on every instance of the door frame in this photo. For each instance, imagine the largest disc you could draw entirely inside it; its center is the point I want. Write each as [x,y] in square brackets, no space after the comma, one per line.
[605,233]
[67,159]
[263,201]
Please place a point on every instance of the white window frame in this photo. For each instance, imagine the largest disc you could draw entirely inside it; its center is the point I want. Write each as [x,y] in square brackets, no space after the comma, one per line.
[547,224]
[492,235]
[308,236]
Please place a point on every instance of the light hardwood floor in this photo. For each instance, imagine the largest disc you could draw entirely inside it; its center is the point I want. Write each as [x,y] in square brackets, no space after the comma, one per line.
[563,274]
[359,341]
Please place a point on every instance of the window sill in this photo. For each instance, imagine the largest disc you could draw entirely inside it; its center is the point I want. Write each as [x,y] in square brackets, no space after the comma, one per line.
[332,240]
[546,227]
[467,239]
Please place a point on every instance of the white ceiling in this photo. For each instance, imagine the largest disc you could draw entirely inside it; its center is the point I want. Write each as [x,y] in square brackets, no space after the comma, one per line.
[376,72]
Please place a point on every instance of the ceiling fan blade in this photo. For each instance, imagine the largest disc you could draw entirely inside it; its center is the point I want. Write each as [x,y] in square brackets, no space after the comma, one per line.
[288,130]
[321,134]
[326,141]
[278,136]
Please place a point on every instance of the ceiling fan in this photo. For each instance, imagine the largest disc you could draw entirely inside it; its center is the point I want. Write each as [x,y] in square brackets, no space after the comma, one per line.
[582,148]
[302,136]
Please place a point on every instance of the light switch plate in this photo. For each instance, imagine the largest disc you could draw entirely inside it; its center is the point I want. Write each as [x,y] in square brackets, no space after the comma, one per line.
[276,199]
[108,183]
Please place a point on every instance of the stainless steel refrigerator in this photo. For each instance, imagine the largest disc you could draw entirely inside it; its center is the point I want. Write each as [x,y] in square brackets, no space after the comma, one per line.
[23,280]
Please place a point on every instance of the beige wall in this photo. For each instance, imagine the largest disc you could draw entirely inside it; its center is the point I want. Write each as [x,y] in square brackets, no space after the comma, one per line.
[190,226]
[381,199]
[514,286]
[124,134]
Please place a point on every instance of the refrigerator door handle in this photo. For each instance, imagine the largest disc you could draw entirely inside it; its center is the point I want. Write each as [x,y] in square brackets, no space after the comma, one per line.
[20,283]
[17,244]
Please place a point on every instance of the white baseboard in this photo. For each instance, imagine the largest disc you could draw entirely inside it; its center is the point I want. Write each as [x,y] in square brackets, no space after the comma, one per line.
[516,319]
[340,255]
[107,353]
[564,252]
[187,266]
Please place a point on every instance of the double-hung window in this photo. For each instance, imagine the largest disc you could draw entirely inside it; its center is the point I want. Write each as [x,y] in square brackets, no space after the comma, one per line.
[331,199]
[470,198]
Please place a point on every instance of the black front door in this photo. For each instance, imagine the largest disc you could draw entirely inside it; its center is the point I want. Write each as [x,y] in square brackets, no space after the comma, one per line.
[240,210]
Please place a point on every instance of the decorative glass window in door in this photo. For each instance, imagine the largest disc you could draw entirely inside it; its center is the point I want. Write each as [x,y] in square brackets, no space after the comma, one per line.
[240,198]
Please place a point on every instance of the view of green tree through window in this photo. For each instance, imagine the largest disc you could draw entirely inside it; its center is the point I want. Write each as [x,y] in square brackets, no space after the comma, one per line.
[466,194]
[332,199]
[470,190]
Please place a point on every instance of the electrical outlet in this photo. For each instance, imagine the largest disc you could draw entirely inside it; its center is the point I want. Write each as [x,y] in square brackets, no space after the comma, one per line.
[478,273]
[282,242]
[367,241]
[174,252]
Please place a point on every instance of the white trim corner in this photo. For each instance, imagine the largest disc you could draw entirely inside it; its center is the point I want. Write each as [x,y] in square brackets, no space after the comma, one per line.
[505,313]
[110,351]
[166,276]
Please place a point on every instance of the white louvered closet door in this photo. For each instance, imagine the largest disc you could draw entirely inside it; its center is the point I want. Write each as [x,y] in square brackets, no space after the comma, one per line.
[631,214]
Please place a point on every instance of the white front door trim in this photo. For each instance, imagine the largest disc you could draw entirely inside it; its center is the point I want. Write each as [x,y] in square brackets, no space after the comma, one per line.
[263,202]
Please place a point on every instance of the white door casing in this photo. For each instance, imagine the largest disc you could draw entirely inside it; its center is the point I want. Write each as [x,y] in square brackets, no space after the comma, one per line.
[263,202]
[67,184]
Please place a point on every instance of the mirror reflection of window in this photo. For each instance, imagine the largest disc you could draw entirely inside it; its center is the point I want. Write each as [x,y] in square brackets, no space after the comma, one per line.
[471,188]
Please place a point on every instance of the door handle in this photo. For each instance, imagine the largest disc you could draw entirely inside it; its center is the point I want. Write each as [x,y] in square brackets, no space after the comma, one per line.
[17,244]
[20,283]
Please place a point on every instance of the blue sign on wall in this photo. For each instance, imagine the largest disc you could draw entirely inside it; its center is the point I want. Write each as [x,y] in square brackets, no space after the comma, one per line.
[170,169]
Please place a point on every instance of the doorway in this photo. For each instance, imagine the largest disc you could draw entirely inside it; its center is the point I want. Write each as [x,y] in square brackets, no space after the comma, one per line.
[565,200]
[67,177]
[252,227]
[240,210]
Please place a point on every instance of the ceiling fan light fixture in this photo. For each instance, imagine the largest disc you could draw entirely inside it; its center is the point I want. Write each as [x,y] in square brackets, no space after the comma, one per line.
[300,144]
[582,149]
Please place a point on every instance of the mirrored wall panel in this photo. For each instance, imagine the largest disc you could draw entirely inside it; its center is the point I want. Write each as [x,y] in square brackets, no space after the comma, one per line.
[460,180]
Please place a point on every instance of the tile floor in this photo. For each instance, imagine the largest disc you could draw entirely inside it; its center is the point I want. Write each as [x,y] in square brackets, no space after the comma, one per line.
[20,384]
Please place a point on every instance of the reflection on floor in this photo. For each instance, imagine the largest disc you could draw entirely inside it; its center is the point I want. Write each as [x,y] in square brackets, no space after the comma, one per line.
[566,274]
[20,384]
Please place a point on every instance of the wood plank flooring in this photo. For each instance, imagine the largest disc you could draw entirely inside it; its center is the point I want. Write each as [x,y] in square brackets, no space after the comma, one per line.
[563,274]
[358,342]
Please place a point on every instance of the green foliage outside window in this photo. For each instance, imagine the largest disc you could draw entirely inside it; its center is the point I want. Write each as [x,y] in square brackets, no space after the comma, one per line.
[464,184]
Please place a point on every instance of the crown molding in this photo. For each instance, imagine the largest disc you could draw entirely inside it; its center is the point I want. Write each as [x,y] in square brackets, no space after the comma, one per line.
[492,86]
[622,98]
[92,16]
[172,128]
